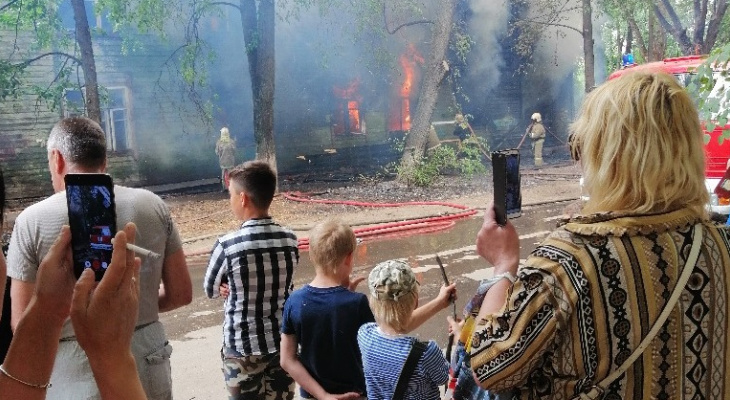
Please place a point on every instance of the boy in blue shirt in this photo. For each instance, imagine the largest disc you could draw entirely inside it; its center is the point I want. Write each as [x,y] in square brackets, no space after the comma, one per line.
[323,318]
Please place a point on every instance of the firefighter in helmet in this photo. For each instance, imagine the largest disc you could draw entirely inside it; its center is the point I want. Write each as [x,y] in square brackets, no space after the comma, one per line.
[225,149]
[537,135]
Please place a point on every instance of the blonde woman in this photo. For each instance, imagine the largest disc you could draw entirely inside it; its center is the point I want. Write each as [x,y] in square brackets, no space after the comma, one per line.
[573,312]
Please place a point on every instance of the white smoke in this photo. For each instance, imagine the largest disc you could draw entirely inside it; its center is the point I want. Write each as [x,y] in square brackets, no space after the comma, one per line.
[560,48]
[487,26]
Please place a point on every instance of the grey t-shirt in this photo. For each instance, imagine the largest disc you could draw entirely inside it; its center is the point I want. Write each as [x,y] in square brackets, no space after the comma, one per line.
[37,227]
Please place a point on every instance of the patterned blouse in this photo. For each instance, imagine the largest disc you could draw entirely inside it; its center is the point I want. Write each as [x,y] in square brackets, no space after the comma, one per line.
[587,296]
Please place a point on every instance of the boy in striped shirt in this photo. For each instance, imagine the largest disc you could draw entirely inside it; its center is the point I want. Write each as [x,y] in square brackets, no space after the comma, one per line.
[254,267]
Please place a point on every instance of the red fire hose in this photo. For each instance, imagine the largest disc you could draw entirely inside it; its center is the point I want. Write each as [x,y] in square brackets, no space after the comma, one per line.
[391,229]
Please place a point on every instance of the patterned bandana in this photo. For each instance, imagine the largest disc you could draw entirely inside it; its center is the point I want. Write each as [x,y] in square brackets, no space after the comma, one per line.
[390,280]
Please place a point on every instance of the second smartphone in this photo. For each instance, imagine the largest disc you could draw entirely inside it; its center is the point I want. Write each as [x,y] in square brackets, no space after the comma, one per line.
[507,190]
[93,222]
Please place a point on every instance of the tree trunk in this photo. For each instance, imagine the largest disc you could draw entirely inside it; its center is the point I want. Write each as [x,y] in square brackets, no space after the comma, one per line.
[713,28]
[643,47]
[436,69]
[590,78]
[259,34]
[88,64]
[657,40]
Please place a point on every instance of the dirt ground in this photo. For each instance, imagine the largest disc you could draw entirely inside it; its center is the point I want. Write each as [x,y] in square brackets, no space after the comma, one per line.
[203,217]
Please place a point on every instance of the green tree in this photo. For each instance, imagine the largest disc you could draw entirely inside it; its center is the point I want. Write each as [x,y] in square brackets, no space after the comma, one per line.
[40,18]
[698,31]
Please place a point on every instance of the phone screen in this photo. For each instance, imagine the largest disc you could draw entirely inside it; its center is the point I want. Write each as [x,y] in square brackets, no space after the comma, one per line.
[507,193]
[92,218]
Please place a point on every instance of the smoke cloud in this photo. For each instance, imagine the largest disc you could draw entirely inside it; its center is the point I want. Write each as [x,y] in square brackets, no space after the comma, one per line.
[487,25]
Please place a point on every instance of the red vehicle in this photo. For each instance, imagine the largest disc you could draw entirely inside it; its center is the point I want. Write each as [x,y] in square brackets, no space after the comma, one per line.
[716,154]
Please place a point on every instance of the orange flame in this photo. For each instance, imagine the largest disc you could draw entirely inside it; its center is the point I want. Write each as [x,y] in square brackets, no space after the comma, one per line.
[347,115]
[408,62]
[353,111]
[400,111]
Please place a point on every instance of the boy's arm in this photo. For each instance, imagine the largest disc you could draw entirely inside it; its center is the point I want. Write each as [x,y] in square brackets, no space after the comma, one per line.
[291,364]
[217,267]
[428,310]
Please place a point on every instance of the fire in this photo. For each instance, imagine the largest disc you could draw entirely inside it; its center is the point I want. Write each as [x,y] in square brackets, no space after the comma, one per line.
[347,115]
[353,112]
[408,62]
[400,110]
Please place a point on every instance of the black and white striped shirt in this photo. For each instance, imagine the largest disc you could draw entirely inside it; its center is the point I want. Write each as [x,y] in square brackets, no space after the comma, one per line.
[257,261]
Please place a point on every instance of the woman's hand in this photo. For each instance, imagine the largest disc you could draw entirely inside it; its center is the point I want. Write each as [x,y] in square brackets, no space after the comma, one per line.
[104,317]
[55,280]
[499,245]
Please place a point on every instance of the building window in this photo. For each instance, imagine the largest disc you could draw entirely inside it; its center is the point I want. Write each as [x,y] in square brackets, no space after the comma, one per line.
[114,115]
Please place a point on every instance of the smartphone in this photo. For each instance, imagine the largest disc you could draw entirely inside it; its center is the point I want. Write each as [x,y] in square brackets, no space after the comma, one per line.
[507,193]
[93,221]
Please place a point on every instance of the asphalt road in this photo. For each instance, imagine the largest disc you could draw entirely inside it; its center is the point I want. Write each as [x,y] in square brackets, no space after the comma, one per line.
[195,330]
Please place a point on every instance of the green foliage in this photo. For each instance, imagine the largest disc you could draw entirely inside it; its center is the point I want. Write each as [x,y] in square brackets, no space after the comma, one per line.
[472,152]
[145,15]
[710,87]
[441,161]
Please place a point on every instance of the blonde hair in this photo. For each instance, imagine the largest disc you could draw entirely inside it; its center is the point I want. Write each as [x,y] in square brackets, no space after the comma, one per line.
[641,147]
[330,241]
[394,313]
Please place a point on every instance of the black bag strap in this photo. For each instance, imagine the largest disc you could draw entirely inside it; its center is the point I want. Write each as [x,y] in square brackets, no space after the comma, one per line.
[417,350]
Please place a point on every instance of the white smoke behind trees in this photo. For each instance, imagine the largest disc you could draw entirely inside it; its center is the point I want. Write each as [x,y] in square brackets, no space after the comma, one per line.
[487,28]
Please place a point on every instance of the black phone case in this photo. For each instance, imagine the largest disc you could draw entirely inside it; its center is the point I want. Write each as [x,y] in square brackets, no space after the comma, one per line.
[92,219]
[507,189]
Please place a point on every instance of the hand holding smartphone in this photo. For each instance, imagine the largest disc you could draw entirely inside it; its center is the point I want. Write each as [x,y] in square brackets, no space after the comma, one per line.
[92,218]
[507,192]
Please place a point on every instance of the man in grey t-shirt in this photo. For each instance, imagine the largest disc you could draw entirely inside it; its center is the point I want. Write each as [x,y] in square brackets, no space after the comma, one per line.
[78,145]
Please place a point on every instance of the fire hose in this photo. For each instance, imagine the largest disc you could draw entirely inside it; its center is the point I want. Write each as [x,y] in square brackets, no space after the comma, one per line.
[391,229]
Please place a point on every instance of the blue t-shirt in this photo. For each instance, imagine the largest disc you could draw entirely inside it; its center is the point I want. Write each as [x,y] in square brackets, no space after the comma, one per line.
[325,322]
[383,357]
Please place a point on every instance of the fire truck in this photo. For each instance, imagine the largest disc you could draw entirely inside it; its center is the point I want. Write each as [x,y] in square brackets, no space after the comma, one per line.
[717,153]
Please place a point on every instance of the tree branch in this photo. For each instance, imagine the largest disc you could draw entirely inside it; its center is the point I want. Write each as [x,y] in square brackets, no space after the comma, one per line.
[4,6]
[385,21]
[52,53]
[713,28]
[554,24]
[670,22]
[700,11]
[225,3]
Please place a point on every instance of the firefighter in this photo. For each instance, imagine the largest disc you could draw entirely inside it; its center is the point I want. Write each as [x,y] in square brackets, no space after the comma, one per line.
[462,130]
[537,135]
[225,149]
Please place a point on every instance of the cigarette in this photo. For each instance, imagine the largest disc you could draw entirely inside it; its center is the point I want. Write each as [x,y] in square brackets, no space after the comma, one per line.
[142,251]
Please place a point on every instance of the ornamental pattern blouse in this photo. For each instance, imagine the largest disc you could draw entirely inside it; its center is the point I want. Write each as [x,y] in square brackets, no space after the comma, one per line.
[588,295]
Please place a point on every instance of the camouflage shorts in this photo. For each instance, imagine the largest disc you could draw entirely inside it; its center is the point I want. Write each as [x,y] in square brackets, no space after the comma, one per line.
[255,377]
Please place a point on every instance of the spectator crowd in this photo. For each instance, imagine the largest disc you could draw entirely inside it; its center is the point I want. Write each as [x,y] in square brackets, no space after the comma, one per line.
[628,299]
